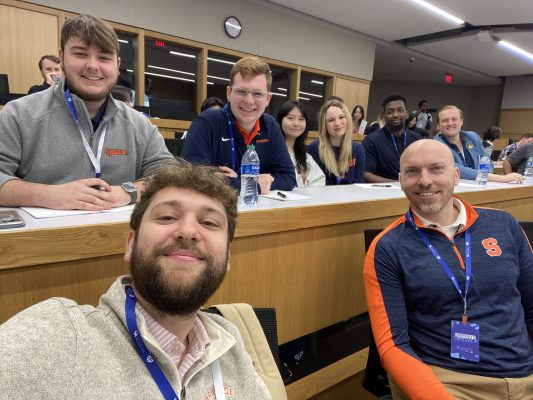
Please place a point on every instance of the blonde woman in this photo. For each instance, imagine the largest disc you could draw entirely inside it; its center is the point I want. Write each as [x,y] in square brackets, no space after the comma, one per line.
[341,159]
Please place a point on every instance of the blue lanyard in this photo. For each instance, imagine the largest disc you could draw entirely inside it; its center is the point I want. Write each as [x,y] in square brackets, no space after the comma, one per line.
[149,360]
[95,161]
[151,364]
[231,130]
[443,264]
[394,139]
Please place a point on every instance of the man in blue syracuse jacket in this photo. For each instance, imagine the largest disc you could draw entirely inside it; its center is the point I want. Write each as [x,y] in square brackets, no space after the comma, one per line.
[220,136]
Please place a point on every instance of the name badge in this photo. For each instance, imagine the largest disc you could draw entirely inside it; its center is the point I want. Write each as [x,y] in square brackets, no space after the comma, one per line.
[465,341]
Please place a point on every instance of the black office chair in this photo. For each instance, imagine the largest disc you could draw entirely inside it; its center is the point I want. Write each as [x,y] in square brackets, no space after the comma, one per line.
[375,379]
[527,226]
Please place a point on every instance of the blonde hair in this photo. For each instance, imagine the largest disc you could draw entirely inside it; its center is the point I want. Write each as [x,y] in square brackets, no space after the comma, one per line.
[325,149]
[250,67]
[445,108]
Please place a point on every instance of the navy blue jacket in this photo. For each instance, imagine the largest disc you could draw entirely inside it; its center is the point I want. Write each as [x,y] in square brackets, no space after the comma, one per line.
[208,142]
[382,157]
[355,171]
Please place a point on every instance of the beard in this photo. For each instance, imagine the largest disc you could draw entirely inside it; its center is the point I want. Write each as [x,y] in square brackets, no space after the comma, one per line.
[395,127]
[166,292]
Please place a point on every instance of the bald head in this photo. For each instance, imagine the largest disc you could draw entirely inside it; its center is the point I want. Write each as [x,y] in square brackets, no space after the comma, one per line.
[429,148]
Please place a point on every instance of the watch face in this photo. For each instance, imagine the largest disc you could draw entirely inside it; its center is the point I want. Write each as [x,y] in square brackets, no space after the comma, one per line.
[233,27]
[128,187]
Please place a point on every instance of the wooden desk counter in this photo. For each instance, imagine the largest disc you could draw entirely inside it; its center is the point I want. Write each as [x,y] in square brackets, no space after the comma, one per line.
[304,258]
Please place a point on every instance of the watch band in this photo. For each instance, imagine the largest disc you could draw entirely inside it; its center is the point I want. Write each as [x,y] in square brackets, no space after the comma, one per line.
[130,188]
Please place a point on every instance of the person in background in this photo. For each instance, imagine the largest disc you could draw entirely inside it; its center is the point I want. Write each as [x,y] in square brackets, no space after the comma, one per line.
[50,67]
[517,160]
[375,125]
[220,137]
[123,94]
[341,159]
[292,118]
[384,147]
[448,288]
[465,145]
[358,120]
[73,146]
[147,338]
[490,136]
[410,124]
[525,138]
[423,118]
[212,102]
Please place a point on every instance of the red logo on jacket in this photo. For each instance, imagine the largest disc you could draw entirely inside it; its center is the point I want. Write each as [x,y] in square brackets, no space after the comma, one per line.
[115,152]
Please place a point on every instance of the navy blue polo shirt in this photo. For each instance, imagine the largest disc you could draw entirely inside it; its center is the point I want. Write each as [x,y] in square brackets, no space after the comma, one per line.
[383,151]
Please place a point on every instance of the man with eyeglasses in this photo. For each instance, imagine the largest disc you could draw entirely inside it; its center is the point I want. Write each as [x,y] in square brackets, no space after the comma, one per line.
[220,137]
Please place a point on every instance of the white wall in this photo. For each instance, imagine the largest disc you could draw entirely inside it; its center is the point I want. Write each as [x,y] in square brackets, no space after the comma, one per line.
[480,105]
[518,92]
[267,30]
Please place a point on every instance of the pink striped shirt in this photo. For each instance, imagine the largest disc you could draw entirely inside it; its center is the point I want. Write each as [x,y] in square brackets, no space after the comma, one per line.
[197,337]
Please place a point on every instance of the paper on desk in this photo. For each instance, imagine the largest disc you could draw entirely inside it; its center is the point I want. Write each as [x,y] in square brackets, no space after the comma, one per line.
[38,212]
[289,196]
[472,185]
[380,186]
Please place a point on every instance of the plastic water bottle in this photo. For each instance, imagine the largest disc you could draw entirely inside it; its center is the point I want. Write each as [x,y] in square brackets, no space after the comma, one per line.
[528,173]
[249,174]
[483,169]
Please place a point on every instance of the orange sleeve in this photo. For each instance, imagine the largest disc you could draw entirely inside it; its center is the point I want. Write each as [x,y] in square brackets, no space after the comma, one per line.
[414,377]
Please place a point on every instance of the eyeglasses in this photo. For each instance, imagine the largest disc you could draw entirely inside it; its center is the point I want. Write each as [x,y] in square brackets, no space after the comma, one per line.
[256,94]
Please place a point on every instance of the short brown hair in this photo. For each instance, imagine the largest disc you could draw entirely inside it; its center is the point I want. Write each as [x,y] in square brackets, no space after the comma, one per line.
[449,107]
[92,31]
[48,57]
[250,67]
[202,179]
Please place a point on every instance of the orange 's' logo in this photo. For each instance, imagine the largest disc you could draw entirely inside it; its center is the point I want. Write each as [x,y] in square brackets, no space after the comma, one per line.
[491,246]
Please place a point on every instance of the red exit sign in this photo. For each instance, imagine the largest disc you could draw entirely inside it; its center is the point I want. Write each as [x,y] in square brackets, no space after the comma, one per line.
[159,43]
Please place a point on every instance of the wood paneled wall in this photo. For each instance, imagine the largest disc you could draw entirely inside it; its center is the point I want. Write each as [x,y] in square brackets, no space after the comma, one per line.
[27,35]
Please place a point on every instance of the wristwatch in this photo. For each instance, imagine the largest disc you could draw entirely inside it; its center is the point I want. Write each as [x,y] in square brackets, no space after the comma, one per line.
[130,188]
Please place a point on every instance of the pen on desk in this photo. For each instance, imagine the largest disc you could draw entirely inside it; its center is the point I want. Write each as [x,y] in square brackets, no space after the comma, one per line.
[382,185]
[282,195]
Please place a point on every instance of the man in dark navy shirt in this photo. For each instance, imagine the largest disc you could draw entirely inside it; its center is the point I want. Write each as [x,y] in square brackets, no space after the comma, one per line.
[384,147]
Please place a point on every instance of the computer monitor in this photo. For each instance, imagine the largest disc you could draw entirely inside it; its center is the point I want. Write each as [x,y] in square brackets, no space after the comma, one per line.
[171,108]
[4,89]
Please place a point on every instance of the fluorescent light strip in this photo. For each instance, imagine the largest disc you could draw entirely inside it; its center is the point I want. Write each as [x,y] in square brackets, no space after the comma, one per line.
[210,83]
[311,94]
[279,94]
[440,12]
[220,61]
[176,53]
[122,41]
[170,77]
[282,89]
[171,70]
[304,98]
[218,77]
[515,49]
[317,82]
[129,70]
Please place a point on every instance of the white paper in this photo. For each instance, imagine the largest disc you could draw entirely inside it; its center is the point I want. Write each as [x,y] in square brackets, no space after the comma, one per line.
[38,212]
[379,186]
[289,196]
[362,126]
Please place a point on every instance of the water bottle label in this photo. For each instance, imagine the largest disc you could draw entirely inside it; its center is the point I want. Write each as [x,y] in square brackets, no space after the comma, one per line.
[250,169]
[484,167]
